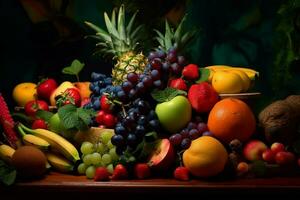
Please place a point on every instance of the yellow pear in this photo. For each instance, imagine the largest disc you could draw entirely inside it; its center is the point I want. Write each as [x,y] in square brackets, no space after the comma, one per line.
[59,90]
[226,82]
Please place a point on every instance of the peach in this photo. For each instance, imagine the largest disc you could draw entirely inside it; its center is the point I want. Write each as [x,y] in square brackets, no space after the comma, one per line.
[163,157]
[253,150]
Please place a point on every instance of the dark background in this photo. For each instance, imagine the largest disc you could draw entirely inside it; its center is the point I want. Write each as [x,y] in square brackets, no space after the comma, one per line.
[38,43]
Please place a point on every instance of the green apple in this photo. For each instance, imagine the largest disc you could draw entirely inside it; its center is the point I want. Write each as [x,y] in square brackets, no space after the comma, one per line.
[56,126]
[174,115]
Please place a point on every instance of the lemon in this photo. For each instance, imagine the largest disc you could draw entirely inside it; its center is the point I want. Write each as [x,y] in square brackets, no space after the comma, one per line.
[24,92]
[245,78]
[205,157]
[227,82]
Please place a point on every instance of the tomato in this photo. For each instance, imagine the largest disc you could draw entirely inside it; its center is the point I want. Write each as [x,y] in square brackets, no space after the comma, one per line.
[45,88]
[39,123]
[69,96]
[32,106]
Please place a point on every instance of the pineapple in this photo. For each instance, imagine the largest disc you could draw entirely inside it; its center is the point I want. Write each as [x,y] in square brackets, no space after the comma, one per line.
[120,42]
[174,39]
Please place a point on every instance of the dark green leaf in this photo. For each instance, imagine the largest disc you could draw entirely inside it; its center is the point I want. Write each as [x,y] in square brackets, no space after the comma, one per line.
[43,114]
[166,94]
[74,69]
[68,116]
[7,174]
[259,168]
[204,75]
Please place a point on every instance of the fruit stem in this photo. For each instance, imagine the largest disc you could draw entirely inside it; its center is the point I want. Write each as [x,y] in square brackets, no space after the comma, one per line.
[27,129]
[21,131]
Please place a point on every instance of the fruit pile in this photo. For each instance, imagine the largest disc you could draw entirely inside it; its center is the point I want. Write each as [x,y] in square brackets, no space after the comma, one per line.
[155,115]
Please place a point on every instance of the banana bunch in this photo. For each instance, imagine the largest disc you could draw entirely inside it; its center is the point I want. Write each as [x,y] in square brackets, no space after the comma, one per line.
[60,153]
[231,80]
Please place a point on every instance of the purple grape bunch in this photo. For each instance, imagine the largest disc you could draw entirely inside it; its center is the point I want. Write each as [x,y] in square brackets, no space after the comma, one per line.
[192,131]
[133,125]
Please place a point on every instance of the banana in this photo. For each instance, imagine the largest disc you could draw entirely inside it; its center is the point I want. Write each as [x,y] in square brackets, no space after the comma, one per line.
[252,74]
[57,142]
[59,163]
[33,140]
[6,152]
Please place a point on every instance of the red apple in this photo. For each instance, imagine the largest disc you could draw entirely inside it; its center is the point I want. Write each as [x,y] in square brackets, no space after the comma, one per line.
[284,158]
[163,157]
[45,88]
[268,156]
[253,150]
[277,147]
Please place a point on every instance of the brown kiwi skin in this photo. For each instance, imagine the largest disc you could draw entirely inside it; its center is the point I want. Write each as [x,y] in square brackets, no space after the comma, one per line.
[30,162]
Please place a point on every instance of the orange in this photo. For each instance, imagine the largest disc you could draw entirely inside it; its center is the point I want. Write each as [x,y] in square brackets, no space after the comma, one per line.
[205,157]
[231,119]
[24,92]
[84,89]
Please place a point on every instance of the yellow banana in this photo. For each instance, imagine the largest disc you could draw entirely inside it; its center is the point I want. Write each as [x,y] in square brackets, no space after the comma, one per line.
[57,142]
[252,74]
[59,163]
[33,140]
[6,152]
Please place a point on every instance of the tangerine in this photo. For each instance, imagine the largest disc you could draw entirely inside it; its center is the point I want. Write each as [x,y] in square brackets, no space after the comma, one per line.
[231,119]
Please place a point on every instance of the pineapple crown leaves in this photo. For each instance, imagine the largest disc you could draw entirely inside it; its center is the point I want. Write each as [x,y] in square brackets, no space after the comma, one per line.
[173,38]
[118,38]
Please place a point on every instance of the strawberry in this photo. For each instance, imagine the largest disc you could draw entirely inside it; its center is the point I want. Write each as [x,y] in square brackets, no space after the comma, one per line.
[181,173]
[190,72]
[120,172]
[69,96]
[178,84]
[101,174]
[39,123]
[106,104]
[202,97]
[142,171]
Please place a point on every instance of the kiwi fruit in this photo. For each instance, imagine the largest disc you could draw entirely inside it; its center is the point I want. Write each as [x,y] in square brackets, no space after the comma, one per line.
[29,161]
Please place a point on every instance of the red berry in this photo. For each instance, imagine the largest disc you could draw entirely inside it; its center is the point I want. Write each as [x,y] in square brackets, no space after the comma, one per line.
[100,117]
[277,147]
[202,97]
[181,173]
[190,72]
[39,123]
[284,158]
[120,172]
[142,171]
[268,156]
[101,174]
[109,120]
[105,104]
[178,84]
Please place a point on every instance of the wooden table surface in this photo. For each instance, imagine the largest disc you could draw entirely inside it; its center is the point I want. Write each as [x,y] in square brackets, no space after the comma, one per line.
[76,185]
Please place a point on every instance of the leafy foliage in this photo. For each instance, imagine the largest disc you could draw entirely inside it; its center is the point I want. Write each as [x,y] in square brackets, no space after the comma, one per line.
[7,174]
[166,94]
[74,118]
[286,47]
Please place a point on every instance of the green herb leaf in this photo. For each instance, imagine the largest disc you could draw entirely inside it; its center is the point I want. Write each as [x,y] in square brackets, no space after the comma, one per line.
[75,118]
[166,94]
[43,114]
[74,69]
[67,115]
[7,174]
[204,75]
[259,168]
